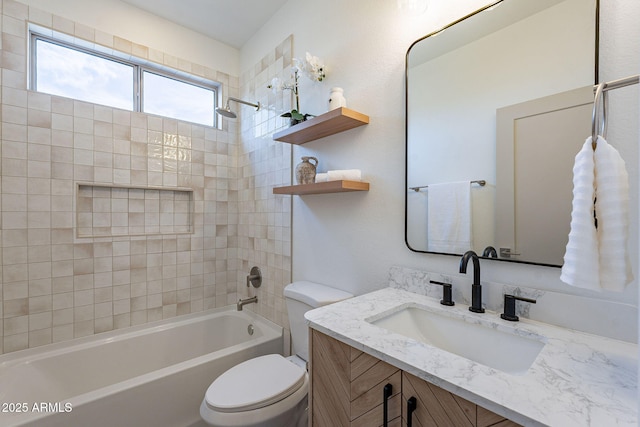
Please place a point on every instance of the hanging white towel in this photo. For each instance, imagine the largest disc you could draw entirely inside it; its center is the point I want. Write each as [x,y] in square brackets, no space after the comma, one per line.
[581,266]
[597,258]
[612,211]
[449,217]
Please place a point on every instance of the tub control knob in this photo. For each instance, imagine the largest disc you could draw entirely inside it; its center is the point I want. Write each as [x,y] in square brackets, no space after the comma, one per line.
[255,277]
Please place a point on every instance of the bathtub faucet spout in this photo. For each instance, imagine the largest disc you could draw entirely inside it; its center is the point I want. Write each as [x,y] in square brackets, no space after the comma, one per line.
[243,302]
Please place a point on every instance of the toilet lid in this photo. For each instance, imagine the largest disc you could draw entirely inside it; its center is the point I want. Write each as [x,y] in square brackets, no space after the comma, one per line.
[254,384]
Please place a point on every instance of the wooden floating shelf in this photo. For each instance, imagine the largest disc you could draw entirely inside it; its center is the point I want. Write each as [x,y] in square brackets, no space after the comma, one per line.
[335,121]
[323,187]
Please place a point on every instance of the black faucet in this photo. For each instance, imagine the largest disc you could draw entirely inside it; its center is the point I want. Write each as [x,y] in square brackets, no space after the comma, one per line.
[490,252]
[510,307]
[476,288]
[446,293]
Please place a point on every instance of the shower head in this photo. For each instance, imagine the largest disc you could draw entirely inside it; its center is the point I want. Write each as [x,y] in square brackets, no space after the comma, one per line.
[226,111]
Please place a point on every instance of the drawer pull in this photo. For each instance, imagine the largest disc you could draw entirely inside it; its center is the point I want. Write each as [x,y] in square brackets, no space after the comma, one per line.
[386,394]
[411,406]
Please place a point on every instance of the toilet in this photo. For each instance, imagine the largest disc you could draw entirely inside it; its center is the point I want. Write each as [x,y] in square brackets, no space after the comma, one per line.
[271,390]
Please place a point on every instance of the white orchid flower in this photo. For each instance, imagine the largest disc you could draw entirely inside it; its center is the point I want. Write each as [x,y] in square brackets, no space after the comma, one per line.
[276,85]
[314,67]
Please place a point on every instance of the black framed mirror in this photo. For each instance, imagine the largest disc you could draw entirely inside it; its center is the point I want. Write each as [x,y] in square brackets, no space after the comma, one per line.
[497,104]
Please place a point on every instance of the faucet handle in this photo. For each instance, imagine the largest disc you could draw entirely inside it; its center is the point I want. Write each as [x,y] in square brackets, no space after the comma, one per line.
[446,293]
[510,307]
[255,277]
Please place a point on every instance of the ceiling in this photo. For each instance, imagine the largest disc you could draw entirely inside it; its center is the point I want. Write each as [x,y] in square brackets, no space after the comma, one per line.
[230,21]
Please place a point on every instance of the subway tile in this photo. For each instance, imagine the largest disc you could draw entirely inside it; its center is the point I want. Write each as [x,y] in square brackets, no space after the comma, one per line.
[43,320]
[15,273]
[14,202]
[39,101]
[14,62]
[83,328]
[83,298]
[62,285]
[63,25]
[16,325]
[139,317]
[103,279]
[103,309]
[14,132]
[102,294]
[84,32]
[62,305]
[40,337]
[16,307]
[39,135]
[62,332]
[62,138]
[122,320]
[103,324]
[40,119]
[15,342]
[61,122]
[15,291]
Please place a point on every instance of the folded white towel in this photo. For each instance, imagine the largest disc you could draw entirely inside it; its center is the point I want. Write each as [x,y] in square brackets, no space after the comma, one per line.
[346,174]
[597,258]
[322,177]
[449,217]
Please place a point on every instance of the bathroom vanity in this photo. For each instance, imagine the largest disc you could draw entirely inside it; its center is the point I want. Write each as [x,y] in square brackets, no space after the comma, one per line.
[501,374]
[352,388]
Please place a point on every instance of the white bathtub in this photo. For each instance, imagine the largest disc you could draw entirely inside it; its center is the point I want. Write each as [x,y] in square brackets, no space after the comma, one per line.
[148,375]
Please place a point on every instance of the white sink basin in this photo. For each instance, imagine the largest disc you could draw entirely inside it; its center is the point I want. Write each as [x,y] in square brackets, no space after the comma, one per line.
[480,343]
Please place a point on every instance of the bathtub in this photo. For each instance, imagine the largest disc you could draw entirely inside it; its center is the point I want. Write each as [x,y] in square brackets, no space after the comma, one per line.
[148,375]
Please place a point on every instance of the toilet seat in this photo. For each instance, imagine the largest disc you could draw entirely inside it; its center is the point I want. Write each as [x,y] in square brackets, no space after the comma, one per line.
[254,384]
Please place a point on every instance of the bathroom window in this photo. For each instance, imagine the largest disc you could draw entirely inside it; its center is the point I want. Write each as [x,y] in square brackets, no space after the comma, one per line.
[169,97]
[65,66]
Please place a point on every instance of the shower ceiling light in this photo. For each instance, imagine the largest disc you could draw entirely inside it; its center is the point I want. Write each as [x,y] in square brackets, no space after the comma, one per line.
[413,7]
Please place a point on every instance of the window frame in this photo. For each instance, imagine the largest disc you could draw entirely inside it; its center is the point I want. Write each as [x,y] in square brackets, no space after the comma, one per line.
[139,66]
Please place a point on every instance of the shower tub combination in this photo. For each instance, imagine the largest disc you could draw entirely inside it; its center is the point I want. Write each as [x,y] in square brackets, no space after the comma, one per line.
[147,375]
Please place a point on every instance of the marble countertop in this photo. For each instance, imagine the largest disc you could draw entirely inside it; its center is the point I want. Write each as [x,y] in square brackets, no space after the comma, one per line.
[577,379]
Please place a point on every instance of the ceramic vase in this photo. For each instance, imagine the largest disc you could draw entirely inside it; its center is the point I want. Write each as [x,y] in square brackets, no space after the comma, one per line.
[306,171]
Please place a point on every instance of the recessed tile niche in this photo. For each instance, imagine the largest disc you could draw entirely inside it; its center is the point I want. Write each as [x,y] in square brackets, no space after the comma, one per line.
[103,211]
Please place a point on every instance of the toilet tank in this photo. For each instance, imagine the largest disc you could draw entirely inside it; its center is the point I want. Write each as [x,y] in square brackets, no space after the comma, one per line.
[300,298]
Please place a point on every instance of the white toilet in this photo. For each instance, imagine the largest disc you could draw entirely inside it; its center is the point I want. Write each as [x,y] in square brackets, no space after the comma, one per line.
[271,390]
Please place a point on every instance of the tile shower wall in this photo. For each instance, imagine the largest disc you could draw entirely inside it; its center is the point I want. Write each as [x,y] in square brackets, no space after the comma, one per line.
[264,226]
[55,285]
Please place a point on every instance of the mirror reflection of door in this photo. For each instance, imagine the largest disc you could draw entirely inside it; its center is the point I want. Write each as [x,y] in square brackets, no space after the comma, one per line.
[536,145]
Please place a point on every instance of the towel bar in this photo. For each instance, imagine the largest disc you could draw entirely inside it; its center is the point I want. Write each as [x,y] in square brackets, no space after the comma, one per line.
[480,182]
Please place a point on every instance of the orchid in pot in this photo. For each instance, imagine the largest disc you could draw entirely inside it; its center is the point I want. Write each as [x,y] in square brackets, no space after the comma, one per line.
[313,68]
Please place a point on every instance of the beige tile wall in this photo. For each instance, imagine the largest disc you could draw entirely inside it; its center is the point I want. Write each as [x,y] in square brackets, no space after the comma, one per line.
[56,286]
[264,222]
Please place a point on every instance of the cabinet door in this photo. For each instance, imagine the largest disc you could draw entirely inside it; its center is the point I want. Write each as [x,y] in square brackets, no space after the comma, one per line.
[347,386]
[330,387]
[369,376]
[437,407]
[487,418]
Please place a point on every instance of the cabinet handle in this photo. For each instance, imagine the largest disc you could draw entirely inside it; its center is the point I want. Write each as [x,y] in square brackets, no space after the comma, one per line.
[386,394]
[411,406]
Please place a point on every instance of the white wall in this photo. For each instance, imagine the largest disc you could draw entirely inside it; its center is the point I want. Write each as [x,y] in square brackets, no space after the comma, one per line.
[350,240]
[130,23]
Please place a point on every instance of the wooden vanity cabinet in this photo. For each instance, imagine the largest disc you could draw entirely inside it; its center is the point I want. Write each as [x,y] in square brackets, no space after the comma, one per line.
[436,406]
[347,386]
[347,389]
